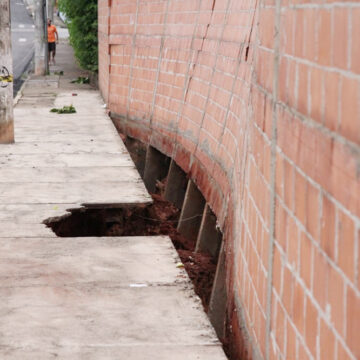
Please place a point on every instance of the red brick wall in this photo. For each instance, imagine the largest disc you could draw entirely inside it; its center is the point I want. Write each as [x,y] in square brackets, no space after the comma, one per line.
[259,100]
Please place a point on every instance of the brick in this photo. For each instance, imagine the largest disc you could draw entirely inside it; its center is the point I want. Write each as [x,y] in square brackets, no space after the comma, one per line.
[342,354]
[302,100]
[277,270]
[287,291]
[288,184]
[281,225]
[316,91]
[306,267]
[279,183]
[303,354]
[327,227]
[312,210]
[340,37]
[331,100]
[311,326]
[292,246]
[287,36]
[298,315]
[264,69]
[345,185]
[280,327]
[358,265]
[321,279]
[299,34]
[266,26]
[291,83]
[355,45]
[350,109]
[346,244]
[290,343]
[283,80]
[327,342]
[324,39]
[287,132]
[336,300]
[352,322]
[310,33]
[300,197]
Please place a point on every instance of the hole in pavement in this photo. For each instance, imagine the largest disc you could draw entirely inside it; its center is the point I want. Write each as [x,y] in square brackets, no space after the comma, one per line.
[159,218]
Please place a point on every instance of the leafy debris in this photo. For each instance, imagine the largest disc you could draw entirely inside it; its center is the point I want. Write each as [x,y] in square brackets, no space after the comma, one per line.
[81,80]
[65,110]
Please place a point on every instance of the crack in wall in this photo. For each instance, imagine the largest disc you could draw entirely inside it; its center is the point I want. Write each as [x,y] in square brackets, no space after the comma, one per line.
[251,30]
[201,48]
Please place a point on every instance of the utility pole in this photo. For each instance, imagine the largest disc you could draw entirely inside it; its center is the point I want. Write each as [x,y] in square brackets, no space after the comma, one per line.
[51,9]
[6,76]
[41,51]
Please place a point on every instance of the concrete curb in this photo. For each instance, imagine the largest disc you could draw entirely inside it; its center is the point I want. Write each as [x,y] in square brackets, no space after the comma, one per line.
[19,93]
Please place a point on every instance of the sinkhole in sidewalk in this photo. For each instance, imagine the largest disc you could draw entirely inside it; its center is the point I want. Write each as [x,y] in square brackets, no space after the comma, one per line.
[158,218]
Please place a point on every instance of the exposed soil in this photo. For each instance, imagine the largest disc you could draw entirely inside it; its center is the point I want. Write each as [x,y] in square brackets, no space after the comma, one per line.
[159,218]
[201,269]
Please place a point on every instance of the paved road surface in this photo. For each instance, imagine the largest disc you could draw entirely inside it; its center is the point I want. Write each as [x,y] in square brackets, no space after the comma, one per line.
[22,36]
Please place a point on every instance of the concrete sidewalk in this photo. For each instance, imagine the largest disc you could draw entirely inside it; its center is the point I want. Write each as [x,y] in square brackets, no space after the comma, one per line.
[84,298]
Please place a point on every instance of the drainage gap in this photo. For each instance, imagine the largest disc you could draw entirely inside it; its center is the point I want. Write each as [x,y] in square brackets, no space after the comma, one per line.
[194,232]
[137,151]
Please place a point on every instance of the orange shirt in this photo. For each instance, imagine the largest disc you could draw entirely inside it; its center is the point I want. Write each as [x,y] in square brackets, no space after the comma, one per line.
[51,33]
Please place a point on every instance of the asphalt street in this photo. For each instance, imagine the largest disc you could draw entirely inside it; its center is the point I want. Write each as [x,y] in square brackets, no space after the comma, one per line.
[22,37]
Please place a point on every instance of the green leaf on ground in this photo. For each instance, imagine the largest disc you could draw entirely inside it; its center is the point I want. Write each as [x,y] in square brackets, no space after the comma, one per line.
[65,110]
[81,80]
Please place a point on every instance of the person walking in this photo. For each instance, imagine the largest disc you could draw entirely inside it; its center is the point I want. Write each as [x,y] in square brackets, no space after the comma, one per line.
[53,39]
